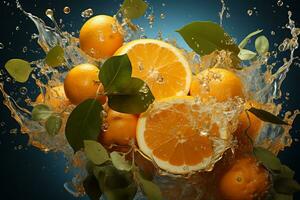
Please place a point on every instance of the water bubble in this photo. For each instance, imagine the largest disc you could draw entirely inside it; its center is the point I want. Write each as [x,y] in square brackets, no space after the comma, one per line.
[272,32]
[1,45]
[8,79]
[24,50]
[13,131]
[49,13]
[23,90]
[151,20]
[279,3]
[17,28]
[101,36]
[227,15]
[163,4]
[141,66]
[67,10]
[249,12]
[87,13]
[2,124]
[162,16]
[34,36]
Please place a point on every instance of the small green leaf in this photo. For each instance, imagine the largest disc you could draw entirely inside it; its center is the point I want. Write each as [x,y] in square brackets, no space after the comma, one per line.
[151,190]
[53,124]
[133,9]
[55,57]
[84,123]
[266,116]
[115,184]
[278,196]
[41,112]
[115,73]
[135,98]
[267,158]
[262,45]
[125,93]
[286,172]
[245,54]
[18,69]
[245,41]
[95,152]
[286,186]
[92,188]
[204,37]
[119,161]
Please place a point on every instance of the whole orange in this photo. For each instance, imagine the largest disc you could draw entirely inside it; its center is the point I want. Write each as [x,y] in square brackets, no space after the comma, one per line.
[54,97]
[101,36]
[82,83]
[121,128]
[216,82]
[245,180]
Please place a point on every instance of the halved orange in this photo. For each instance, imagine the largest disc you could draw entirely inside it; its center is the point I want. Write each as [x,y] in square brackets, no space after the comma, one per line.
[162,66]
[182,134]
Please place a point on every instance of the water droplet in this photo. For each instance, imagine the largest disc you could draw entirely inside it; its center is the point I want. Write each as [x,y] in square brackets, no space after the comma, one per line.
[67,10]
[163,4]
[272,32]
[87,13]
[279,3]
[49,13]
[227,15]
[249,12]
[24,50]
[23,90]
[8,79]
[151,20]
[101,36]
[34,36]
[17,28]
[1,45]
[13,131]
[162,16]
[141,66]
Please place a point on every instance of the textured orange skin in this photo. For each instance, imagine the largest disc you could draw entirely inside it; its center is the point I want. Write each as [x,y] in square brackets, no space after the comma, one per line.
[121,128]
[101,36]
[245,180]
[227,86]
[82,83]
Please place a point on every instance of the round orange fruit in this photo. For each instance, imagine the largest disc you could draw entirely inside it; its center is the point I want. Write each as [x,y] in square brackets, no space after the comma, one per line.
[121,128]
[55,98]
[101,36]
[245,180]
[219,83]
[82,83]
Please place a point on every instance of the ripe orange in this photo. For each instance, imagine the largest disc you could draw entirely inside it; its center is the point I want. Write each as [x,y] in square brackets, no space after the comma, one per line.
[101,36]
[216,82]
[82,83]
[245,180]
[121,128]
[161,65]
[254,123]
[180,138]
[55,98]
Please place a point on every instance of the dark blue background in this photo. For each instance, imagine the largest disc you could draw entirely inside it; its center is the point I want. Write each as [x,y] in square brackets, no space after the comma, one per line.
[30,174]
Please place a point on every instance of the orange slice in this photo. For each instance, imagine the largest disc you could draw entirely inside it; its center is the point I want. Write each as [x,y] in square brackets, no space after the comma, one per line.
[182,135]
[161,65]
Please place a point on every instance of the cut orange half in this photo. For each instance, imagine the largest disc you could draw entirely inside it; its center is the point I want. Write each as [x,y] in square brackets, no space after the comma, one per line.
[182,135]
[162,66]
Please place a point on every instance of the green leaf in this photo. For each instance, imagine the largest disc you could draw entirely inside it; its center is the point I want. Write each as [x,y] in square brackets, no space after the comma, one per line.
[204,37]
[262,45]
[18,69]
[125,93]
[84,123]
[92,188]
[41,112]
[135,98]
[278,196]
[267,158]
[266,116]
[55,57]
[115,73]
[119,161]
[245,54]
[95,152]
[151,190]
[286,186]
[245,41]
[133,9]
[115,184]
[286,172]
[53,124]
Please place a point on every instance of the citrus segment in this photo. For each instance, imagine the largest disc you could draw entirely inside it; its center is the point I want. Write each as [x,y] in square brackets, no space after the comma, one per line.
[180,137]
[161,65]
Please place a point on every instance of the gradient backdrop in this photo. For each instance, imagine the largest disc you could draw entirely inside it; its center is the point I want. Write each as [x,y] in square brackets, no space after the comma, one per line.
[29,174]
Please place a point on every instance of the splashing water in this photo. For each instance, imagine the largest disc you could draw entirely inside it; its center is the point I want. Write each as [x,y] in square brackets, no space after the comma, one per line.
[262,84]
